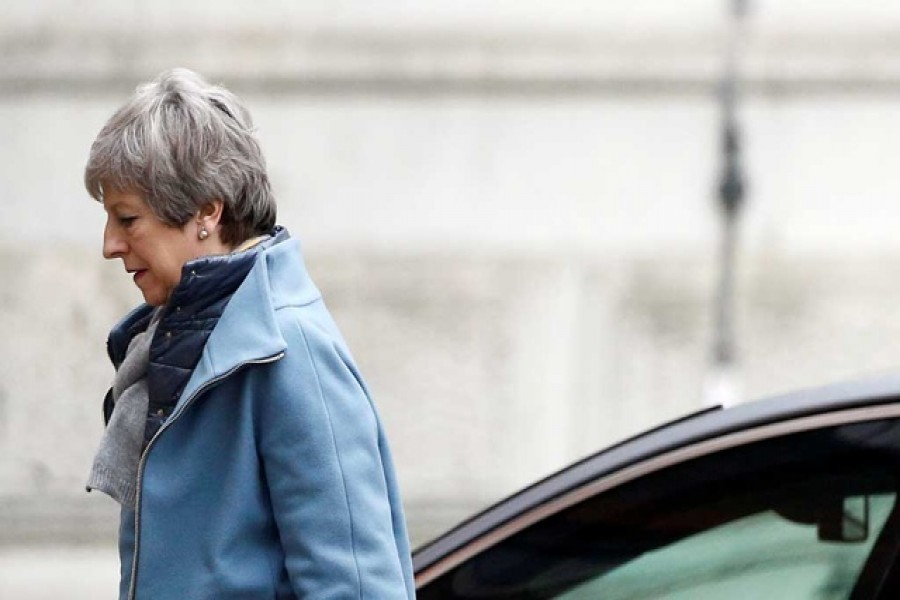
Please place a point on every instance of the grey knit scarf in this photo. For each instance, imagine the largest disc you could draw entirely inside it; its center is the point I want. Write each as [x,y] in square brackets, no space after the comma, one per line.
[115,467]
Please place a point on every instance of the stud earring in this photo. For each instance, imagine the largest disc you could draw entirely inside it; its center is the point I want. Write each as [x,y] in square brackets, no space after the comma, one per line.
[203,233]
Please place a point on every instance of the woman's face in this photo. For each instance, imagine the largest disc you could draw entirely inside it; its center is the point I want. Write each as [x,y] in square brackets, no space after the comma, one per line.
[153,251]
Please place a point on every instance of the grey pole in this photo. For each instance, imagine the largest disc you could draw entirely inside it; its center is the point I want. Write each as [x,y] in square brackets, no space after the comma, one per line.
[722,380]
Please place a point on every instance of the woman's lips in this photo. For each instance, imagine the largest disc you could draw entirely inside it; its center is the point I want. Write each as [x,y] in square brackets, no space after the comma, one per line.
[139,274]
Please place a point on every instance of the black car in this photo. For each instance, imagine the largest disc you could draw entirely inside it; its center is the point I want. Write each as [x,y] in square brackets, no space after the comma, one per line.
[792,497]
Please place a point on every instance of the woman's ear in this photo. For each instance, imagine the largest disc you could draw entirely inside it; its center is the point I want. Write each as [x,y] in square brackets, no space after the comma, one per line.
[206,223]
[210,214]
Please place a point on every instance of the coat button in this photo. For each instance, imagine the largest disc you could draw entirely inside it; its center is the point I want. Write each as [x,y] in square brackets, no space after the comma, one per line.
[161,413]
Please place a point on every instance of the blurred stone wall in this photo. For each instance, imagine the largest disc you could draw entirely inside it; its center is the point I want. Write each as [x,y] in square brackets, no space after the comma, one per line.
[511,217]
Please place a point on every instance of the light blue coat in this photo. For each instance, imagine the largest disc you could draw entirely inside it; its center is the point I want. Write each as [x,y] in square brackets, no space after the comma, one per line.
[272,477]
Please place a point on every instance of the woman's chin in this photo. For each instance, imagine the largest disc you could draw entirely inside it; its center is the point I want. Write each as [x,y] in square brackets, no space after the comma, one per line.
[152,298]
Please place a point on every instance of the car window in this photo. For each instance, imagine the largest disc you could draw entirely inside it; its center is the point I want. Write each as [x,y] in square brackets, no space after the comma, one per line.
[764,555]
[808,515]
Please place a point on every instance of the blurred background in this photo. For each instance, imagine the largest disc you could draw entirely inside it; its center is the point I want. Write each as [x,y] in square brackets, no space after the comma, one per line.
[523,214]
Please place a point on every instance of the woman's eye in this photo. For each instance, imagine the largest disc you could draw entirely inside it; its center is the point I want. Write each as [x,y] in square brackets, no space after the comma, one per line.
[127,221]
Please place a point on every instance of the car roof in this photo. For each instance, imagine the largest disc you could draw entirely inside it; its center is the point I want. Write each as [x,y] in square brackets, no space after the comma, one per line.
[696,427]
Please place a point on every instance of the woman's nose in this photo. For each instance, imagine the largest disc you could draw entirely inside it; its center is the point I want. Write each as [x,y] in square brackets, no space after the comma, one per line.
[113,244]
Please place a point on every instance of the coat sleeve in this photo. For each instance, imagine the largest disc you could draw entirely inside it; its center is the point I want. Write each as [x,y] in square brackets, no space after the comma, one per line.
[330,476]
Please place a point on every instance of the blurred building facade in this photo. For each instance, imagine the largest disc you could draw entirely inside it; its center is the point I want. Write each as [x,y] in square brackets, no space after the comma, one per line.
[509,207]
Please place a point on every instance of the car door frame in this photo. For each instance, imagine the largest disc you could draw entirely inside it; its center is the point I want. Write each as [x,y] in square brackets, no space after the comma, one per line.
[526,509]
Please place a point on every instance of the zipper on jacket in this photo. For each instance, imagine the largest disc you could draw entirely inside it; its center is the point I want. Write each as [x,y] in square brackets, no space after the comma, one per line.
[132,589]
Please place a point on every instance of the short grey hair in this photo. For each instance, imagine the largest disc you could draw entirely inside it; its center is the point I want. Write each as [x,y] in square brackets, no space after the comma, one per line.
[181,143]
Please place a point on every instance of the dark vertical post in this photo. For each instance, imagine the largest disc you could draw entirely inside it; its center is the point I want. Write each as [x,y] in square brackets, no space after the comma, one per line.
[721,385]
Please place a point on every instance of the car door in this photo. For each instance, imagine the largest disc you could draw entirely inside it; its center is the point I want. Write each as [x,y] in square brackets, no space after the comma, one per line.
[805,508]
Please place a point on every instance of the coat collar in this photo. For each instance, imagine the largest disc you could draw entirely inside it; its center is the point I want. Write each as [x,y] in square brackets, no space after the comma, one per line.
[248,329]
[205,287]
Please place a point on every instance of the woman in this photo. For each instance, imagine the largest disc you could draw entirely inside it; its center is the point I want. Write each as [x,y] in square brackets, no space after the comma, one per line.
[241,441]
